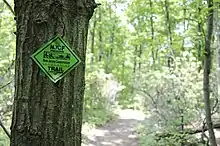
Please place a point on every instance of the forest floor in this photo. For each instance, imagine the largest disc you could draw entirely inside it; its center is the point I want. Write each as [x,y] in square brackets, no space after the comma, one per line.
[120,132]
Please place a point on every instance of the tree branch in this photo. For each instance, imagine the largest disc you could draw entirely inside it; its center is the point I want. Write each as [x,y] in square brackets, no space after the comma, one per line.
[188,131]
[6,84]
[154,104]
[215,107]
[4,128]
[9,6]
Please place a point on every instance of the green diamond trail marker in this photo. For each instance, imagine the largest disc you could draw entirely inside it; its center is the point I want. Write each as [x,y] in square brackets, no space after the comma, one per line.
[56,59]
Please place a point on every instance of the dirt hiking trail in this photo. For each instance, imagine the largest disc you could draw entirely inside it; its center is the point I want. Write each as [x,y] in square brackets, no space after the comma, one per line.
[120,132]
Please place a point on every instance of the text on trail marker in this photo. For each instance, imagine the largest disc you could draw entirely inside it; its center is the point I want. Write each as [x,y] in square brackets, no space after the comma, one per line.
[56,59]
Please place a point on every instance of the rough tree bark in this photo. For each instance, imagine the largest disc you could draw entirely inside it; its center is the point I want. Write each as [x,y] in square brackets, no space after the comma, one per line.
[207,70]
[47,113]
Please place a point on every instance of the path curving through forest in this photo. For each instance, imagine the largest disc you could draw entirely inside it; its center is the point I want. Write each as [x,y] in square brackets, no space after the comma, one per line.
[120,132]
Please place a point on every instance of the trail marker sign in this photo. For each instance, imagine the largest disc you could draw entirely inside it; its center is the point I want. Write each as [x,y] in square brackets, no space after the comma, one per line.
[56,59]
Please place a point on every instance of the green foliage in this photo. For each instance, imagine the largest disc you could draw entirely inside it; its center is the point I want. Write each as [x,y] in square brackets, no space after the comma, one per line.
[136,58]
[156,55]
[170,82]
[4,140]
[100,89]
[7,54]
[152,137]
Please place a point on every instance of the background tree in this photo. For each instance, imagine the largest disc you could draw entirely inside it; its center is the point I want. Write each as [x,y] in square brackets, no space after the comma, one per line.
[207,70]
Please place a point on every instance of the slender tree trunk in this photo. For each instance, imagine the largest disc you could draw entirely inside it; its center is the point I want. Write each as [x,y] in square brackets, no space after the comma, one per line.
[47,113]
[123,67]
[93,37]
[139,57]
[134,70]
[199,31]
[153,53]
[109,52]
[217,42]
[207,70]
[170,40]
[170,60]
[101,49]
[184,24]
[111,41]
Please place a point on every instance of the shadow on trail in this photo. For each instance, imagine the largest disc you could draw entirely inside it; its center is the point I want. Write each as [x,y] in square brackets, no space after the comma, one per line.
[120,132]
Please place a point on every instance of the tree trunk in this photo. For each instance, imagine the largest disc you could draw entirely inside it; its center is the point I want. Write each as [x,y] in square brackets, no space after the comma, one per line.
[207,69]
[101,49]
[133,82]
[152,33]
[93,38]
[139,57]
[199,31]
[217,45]
[169,34]
[170,60]
[47,113]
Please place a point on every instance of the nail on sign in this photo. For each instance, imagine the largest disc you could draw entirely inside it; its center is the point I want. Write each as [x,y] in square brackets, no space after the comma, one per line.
[56,59]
